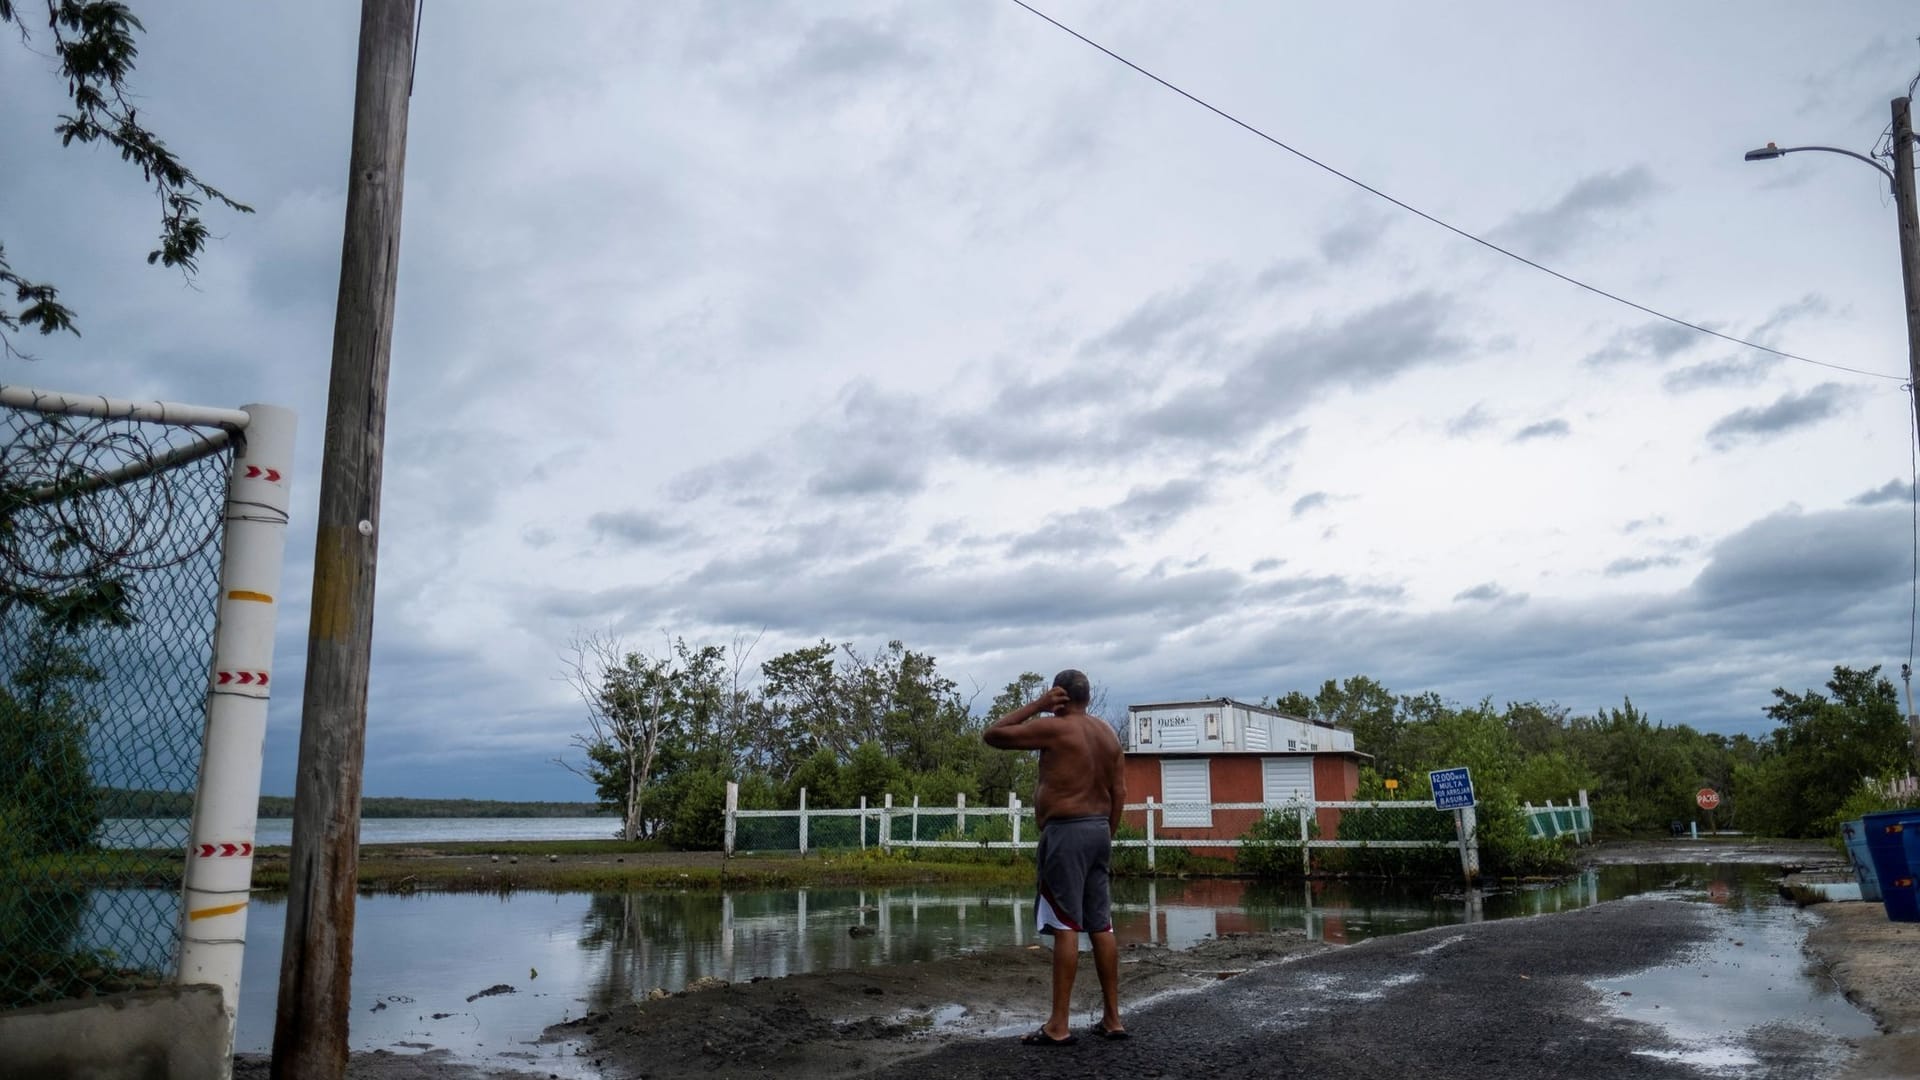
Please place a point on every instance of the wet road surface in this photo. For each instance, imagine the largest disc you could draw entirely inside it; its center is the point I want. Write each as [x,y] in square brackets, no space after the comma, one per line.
[1510,999]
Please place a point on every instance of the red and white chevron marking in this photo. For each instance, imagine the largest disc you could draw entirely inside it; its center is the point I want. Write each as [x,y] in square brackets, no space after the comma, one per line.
[261,472]
[241,678]
[223,851]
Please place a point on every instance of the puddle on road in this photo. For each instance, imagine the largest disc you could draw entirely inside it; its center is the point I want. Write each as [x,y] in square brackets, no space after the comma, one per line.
[1745,995]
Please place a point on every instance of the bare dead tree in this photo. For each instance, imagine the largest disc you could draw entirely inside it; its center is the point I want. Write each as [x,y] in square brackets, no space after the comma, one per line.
[742,652]
[629,700]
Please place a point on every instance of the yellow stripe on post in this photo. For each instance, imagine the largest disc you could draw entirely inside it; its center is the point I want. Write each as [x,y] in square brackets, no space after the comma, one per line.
[248,594]
[210,912]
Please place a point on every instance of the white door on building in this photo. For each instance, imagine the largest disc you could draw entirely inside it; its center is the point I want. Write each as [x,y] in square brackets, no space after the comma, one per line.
[1186,780]
[1286,779]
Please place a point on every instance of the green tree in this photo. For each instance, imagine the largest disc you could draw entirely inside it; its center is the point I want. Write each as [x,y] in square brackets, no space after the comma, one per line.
[1003,772]
[1646,772]
[47,796]
[944,785]
[1366,708]
[873,773]
[1536,728]
[819,775]
[1825,745]
[93,40]
[1294,703]
[801,707]
[637,706]
[923,722]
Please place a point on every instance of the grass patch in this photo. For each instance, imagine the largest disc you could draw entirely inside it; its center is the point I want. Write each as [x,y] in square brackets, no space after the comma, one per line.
[523,848]
[120,869]
[612,866]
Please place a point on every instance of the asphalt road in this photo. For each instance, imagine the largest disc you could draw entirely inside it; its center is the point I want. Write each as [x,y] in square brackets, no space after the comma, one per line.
[1486,1001]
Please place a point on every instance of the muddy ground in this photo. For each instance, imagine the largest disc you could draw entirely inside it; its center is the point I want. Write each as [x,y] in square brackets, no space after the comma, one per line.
[937,1018]
[844,1022]
[1876,963]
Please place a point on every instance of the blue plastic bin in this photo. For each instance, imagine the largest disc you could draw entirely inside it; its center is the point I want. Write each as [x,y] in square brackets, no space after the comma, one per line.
[1855,833]
[1887,844]
[1910,838]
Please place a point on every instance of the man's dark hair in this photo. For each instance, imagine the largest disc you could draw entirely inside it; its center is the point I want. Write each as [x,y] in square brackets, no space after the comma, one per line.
[1079,691]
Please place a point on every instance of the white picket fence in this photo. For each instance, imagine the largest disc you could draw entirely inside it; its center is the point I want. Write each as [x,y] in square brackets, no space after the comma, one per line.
[915,826]
[1903,787]
[1551,822]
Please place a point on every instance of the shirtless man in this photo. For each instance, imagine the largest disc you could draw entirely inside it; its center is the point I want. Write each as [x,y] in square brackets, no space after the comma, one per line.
[1082,789]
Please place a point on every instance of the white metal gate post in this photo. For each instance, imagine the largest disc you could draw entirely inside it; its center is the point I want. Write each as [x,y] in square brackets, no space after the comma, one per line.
[733,809]
[863,823]
[1306,853]
[1013,818]
[916,821]
[1149,843]
[886,823]
[803,821]
[219,857]
[1586,815]
[1468,825]
[960,814]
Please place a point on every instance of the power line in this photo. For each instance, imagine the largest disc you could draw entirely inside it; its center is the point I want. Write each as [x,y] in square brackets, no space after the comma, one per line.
[1456,230]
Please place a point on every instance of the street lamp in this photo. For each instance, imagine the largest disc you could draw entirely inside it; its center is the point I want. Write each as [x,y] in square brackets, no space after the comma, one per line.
[1770,151]
[1901,180]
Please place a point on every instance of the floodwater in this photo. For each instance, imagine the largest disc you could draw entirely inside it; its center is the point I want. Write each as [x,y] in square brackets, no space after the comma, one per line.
[1746,988]
[418,959]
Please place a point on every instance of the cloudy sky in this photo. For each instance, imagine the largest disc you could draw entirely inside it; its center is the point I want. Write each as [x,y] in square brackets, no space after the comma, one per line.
[868,321]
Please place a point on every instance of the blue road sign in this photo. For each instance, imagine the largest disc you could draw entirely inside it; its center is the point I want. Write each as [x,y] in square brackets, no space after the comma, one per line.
[1452,788]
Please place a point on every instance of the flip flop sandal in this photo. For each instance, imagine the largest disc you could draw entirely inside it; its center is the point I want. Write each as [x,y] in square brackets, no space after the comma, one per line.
[1099,1030]
[1039,1037]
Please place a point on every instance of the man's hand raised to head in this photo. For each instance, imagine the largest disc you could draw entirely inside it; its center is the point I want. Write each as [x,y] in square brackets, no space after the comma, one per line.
[1018,731]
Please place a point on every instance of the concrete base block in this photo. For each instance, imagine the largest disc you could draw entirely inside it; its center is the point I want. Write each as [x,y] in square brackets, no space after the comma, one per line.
[172,1033]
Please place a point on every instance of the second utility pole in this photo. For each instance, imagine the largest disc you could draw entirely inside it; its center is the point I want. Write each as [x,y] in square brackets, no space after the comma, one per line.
[316,961]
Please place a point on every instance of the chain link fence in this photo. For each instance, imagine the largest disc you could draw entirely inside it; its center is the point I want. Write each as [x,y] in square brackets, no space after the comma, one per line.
[109,575]
[1375,838]
[954,828]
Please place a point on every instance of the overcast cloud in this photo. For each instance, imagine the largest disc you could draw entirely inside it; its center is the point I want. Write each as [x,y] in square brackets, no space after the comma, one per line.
[1792,412]
[869,320]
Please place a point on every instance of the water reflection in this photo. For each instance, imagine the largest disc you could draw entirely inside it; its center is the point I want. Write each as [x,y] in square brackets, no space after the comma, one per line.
[637,941]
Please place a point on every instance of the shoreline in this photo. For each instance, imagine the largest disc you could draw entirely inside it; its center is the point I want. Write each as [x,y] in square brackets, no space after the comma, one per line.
[614,865]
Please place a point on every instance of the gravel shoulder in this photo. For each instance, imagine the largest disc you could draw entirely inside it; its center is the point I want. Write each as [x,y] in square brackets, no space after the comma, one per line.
[1876,964]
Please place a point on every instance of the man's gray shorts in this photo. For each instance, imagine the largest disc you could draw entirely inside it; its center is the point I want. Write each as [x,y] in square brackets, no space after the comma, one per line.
[1074,857]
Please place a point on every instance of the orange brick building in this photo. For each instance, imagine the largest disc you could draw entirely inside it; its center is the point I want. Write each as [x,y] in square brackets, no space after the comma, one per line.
[1226,751]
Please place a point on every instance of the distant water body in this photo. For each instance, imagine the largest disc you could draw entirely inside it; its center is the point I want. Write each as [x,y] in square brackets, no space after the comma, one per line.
[171,833]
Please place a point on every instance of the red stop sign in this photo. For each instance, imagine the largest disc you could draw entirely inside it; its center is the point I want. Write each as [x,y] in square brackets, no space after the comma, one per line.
[1708,798]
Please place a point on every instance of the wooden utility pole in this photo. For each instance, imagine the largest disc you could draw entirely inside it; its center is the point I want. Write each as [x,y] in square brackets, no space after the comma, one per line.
[316,964]
[1904,205]
[1909,215]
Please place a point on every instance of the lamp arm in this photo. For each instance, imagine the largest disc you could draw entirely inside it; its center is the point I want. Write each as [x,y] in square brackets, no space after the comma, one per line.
[1884,171]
